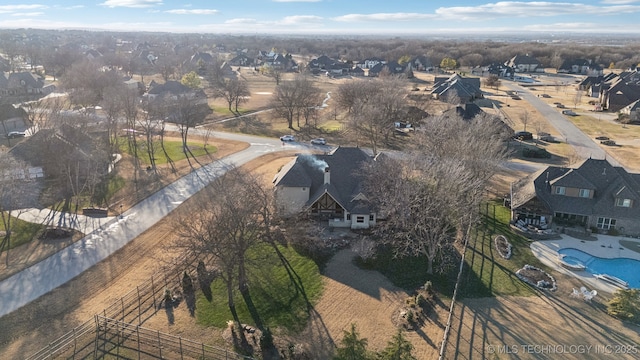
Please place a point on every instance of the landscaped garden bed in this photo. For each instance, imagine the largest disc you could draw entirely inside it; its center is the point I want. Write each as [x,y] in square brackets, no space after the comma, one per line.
[537,277]
[503,246]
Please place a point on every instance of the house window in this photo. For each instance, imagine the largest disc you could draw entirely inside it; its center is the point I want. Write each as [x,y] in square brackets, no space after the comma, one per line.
[560,190]
[360,219]
[623,202]
[585,193]
[606,223]
[371,217]
[348,217]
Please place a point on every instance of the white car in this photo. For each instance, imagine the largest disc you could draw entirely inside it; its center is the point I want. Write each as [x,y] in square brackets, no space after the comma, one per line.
[287,138]
[318,141]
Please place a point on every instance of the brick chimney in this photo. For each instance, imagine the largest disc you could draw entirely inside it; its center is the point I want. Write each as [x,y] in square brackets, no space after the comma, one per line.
[327,176]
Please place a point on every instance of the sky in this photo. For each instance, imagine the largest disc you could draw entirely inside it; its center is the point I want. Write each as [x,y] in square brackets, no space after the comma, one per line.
[327,17]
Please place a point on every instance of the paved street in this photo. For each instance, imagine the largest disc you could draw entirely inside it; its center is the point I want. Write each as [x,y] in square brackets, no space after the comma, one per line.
[104,238]
[585,146]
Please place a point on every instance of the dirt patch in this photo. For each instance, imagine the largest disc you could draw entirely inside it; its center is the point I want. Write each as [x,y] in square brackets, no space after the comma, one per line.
[495,327]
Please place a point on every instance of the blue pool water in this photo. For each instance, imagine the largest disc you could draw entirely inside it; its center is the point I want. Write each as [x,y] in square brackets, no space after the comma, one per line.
[622,268]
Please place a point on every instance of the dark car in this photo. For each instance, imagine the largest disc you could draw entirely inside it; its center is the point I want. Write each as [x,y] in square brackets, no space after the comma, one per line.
[523,135]
[15,134]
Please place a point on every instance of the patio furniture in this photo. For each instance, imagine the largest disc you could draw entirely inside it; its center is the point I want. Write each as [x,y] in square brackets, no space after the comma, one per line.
[575,293]
[588,295]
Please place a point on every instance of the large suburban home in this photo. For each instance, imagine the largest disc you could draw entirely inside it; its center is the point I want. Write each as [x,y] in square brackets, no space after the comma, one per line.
[580,66]
[632,111]
[13,118]
[22,86]
[620,91]
[595,195]
[456,89]
[525,63]
[327,187]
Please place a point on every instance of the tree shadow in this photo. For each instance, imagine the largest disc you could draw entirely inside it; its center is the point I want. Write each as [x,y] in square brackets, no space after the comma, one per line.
[168,309]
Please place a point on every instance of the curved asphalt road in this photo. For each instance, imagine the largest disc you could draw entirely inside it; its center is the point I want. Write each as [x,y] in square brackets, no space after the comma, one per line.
[37,280]
[585,146]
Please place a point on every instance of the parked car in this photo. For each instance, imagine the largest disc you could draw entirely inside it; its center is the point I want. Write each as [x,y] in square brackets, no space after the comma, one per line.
[15,134]
[523,135]
[318,141]
[560,106]
[287,138]
[546,96]
[569,112]
[608,142]
[602,138]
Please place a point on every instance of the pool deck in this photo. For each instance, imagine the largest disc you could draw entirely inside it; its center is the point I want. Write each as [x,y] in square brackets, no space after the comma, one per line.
[607,247]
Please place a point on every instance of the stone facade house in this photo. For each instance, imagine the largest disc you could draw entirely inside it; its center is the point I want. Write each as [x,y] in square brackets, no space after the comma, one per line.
[595,194]
[326,187]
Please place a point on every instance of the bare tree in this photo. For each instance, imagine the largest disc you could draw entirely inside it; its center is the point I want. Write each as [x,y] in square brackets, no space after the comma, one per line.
[492,81]
[434,193]
[234,91]
[187,112]
[14,182]
[292,98]
[230,216]
[577,98]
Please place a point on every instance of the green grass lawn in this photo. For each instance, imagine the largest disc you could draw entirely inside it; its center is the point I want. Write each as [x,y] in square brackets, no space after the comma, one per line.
[174,150]
[22,231]
[274,296]
[487,273]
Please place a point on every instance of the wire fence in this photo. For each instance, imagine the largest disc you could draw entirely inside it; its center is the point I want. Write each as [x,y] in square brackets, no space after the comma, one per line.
[131,310]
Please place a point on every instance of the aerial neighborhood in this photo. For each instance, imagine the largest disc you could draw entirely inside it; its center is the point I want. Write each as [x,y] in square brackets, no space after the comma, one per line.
[291,197]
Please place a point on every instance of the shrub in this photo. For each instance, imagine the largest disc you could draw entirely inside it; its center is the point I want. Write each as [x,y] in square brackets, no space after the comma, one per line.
[421,300]
[625,305]
[410,317]
[167,296]
[187,283]
[613,232]
[428,286]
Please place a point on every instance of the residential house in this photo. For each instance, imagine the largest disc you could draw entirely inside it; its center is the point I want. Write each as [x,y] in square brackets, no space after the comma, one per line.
[200,60]
[370,63]
[632,111]
[13,118]
[356,71]
[595,194]
[67,143]
[92,54]
[172,90]
[621,91]
[456,89]
[421,63]
[277,61]
[392,67]
[525,63]
[502,70]
[22,86]
[241,60]
[580,66]
[327,187]
[465,111]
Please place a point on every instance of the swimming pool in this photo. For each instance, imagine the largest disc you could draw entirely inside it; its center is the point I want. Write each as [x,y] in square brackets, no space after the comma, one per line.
[623,268]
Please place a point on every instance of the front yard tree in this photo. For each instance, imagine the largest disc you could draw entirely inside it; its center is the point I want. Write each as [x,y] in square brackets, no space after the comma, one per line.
[448,63]
[625,305]
[191,80]
[399,348]
[352,346]
[229,218]
[14,181]
[431,197]
[492,81]
[234,91]
[291,98]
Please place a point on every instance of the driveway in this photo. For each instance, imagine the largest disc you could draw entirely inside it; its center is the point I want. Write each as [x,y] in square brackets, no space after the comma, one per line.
[104,238]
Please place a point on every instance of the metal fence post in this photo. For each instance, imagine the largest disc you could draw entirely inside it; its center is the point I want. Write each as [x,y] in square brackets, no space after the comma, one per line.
[139,306]
[159,345]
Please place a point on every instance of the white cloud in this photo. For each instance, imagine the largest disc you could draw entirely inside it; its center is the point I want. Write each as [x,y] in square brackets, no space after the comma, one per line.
[385,17]
[131,3]
[4,9]
[28,14]
[528,9]
[193,11]
[241,21]
[619,2]
[300,19]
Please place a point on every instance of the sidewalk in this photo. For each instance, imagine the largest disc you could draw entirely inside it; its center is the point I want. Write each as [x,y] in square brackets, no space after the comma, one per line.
[105,236]
[49,217]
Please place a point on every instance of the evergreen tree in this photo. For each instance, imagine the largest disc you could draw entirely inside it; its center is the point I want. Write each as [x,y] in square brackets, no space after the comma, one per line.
[399,348]
[352,346]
